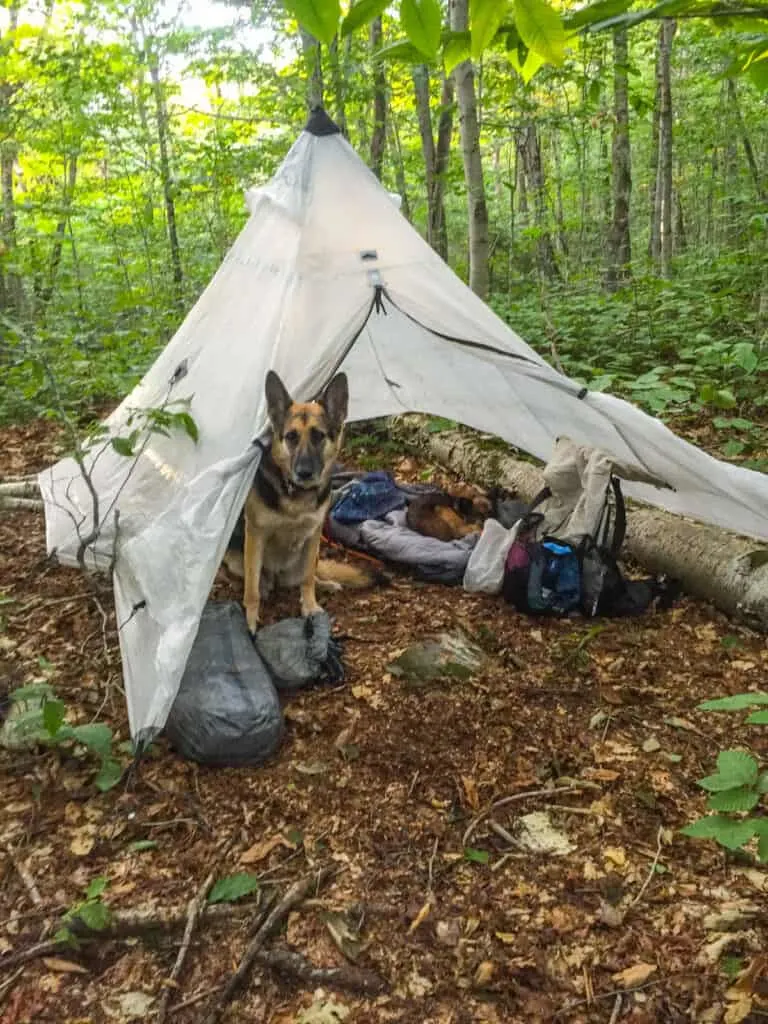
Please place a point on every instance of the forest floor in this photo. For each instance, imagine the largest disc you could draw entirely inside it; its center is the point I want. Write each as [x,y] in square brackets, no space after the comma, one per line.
[595,726]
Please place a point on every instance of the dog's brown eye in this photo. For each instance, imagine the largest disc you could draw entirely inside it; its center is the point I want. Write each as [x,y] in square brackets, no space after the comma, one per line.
[292,437]
[317,436]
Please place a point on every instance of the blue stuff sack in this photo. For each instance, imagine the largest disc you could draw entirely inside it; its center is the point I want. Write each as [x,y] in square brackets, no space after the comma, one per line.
[554,579]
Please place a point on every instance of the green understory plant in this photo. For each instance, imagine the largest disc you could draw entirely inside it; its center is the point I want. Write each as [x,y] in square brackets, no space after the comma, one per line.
[91,912]
[738,790]
[37,718]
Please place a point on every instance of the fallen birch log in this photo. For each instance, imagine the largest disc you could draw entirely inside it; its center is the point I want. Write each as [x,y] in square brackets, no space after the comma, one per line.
[14,504]
[24,488]
[721,567]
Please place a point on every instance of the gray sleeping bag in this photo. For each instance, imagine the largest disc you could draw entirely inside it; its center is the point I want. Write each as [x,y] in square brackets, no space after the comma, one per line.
[438,561]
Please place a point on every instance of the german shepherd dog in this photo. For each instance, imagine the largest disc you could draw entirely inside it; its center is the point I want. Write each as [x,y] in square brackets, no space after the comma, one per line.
[286,508]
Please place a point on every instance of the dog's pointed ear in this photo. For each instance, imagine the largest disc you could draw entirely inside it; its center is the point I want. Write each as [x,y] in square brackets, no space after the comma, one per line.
[278,402]
[335,401]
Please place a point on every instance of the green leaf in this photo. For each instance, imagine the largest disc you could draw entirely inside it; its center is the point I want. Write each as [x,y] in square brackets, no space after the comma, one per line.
[37,692]
[738,702]
[189,425]
[421,21]
[53,715]
[744,355]
[729,833]
[541,29]
[758,718]
[529,65]
[96,887]
[485,17]
[66,936]
[142,844]
[110,773]
[96,736]
[733,448]
[724,399]
[739,766]
[476,856]
[319,17]
[361,13]
[741,798]
[403,51]
[456,49]
[595,12]
[231,888]
[94,915]
[123,446]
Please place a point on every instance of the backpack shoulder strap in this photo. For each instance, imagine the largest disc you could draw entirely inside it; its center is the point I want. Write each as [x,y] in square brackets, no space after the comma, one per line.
[543,494]
[620,529]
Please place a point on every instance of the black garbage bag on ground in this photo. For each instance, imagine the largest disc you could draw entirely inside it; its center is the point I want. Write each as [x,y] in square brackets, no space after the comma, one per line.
[227,711]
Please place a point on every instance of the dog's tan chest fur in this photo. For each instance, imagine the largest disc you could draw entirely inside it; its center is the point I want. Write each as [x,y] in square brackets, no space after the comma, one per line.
[286,532]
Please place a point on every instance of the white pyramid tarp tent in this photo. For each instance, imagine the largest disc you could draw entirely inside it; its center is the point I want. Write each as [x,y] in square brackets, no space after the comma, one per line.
[326,274]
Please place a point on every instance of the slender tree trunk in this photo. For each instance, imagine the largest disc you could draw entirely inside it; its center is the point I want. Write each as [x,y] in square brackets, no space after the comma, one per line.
[546,258]
[400,177]
[559,205]
[654,234]
[379,137]
[166,176]
[668,29]
[11,288]
[523,206]
[746,142]
[442,156]
[45,293]
[310,48]
[619,240]
[435,154]
[469,132]
[709,222]
[339,90]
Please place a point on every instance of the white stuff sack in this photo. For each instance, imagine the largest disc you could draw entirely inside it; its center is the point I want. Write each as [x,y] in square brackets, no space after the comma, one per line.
[485,569]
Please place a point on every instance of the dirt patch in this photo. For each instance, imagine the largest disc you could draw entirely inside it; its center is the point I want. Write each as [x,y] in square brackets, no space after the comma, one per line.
[394,784]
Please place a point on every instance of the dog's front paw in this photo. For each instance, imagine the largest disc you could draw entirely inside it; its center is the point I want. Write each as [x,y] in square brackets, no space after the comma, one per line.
[252,617]
[310,607]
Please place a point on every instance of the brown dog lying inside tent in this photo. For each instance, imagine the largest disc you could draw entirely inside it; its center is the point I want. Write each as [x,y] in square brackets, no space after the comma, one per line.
[448,516]
[288,503]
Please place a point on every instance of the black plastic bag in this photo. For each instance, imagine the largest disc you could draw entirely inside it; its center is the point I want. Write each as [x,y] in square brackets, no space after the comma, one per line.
[227,711]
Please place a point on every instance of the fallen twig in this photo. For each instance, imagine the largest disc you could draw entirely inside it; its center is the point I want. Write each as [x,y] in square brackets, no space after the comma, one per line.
[126,924]
[196,905]
[515,798]
[652,870]
[193,1000]
[25,876]
[294,895]
[616,1008]
[349,978]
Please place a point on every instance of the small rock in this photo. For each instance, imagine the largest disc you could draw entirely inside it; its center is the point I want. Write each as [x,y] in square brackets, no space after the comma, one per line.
[651,745]
[610,916]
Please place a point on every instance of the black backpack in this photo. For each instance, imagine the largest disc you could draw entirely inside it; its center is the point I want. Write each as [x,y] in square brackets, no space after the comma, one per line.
[551,576]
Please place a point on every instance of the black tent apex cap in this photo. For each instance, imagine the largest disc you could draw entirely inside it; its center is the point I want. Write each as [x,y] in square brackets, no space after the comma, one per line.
[319,123]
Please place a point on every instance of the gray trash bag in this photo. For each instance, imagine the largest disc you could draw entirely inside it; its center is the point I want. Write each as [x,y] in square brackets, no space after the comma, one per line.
[300,651]
[227,711]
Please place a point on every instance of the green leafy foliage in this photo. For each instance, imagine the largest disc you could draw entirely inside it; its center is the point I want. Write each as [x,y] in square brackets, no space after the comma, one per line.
[541,29]
[319,17]
[89,912]
[39,718]
[737,788]
[485,18]
[233,887]
[738,702]
[422,21]
[361,13]
[475,856]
